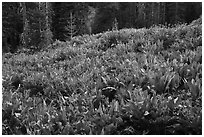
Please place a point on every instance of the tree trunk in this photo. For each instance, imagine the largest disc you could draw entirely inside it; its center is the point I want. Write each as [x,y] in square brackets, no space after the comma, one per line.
[25,26]
[152,11]
[176,12]
[158,13]
[90,19]
[164,13]
[47,39]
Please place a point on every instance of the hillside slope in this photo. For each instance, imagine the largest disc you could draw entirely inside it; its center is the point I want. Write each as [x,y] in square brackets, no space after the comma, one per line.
[130,81]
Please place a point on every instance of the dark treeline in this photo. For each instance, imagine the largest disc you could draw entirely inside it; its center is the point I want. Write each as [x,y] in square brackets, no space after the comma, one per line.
[34,25]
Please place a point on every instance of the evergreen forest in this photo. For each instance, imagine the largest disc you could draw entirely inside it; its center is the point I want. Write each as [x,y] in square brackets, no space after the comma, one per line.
[37,24]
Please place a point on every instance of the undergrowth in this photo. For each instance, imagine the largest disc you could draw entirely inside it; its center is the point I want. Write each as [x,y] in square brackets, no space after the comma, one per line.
[130,81]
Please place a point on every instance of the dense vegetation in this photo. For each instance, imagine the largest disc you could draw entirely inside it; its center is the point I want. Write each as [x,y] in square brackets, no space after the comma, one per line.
[34,25]
[128,81]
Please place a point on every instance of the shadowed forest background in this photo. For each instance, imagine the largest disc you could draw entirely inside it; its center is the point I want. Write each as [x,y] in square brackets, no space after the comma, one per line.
[34,25]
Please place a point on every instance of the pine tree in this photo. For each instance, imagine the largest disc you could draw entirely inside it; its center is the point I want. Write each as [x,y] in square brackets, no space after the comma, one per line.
[90,19]
[176,12]
[61,19]
[47,31]
[141,14]
[70,28]
[115,24]
[37,33]
[162,13]
[11,26]
[24,37]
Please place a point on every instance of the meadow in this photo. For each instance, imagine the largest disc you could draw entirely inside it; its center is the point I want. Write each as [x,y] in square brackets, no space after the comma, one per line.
[121,82]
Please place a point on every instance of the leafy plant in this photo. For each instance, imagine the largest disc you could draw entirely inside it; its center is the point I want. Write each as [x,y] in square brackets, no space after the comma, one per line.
[91,87]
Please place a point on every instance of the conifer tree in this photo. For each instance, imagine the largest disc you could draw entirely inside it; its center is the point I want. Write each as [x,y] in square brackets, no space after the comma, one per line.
[115,24]
[47,31]
[36,17]
[71,28]
[24,37]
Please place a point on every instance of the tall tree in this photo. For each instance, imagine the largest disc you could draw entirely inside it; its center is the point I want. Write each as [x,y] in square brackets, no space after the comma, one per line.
[83,13]
[158,12]
[175,12]
[62,14]
[25,25]
[11,25]
[48,34]
[141,14]
[152,13]
[163,13]
[91,18]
